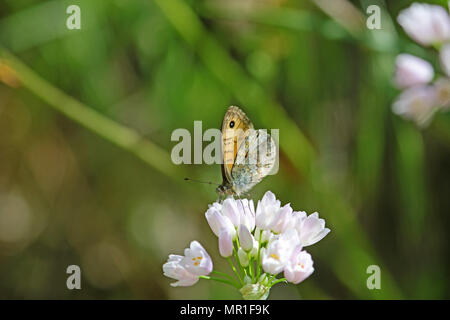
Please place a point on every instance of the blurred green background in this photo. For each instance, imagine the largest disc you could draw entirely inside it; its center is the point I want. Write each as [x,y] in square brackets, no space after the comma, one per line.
[88,180]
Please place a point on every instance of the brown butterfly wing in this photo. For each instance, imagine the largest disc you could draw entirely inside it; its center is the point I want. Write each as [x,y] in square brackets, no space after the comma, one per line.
[235,127]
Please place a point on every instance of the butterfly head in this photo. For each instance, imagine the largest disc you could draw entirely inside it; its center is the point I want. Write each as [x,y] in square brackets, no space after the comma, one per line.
[225,190]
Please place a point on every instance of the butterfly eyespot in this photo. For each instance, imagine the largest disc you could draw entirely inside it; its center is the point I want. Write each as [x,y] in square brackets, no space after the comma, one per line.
[231,124]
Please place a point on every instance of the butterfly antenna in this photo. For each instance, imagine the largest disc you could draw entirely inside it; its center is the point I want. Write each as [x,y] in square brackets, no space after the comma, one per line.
[198,181]
[242,204]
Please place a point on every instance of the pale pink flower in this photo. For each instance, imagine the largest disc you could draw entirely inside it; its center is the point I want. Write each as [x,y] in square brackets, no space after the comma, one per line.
[299,267]
[230,210]
[427,24]
[230,215]
[310,229]
[196,260]
[411,71]
[278,251]
[282,219]
[246,213]
[217,220]
[417,104]
[266,209]
[442,91]
[175,270]
[271,216]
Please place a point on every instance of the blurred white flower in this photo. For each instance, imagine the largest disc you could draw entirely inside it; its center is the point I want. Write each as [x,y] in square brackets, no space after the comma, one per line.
[266,210]
[279,251]
[442,92]
[225,243]
[310,229]
[245,238]
[175,270]
[299,267]
[196,260]
[411,71]
[427,24]
[444,56]
[417,104]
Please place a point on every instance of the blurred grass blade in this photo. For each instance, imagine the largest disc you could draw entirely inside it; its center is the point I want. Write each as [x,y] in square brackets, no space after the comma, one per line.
[112,131]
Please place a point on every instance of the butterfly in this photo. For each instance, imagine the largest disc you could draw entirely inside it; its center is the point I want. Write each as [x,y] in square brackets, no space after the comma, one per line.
[248,155]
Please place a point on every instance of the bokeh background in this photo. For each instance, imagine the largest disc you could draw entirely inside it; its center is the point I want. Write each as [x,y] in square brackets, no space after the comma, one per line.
[86,118]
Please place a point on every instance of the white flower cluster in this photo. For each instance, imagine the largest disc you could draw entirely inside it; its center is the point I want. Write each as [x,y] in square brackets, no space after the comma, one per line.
[264,242]
[428,25]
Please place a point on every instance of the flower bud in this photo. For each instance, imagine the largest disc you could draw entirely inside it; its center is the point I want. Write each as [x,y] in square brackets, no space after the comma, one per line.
[243,257]
[225,243]
[254,250]
[245,238]
[445,58]
[412,71]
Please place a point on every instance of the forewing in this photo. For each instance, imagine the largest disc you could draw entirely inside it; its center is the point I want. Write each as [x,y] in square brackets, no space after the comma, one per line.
[235,127]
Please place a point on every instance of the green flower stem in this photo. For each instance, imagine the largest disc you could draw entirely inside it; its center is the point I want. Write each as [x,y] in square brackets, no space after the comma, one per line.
[221,280]
[250,267]
[241,268]
[277,281]
[235,271]
[223,274]
[264,277]
[271,278]
[259,252]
